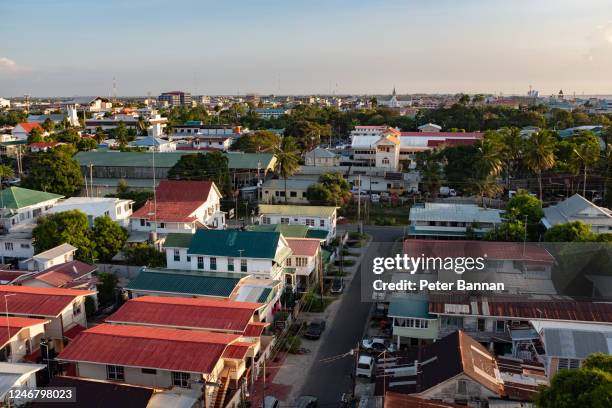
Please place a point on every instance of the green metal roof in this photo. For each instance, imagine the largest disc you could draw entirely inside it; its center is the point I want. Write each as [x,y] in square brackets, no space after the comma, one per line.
[317,233]
[234,243]
[326,255]
[237,160]
[298,210]
[17,197]
[14,142]
[288,231]
[417,308]
[191,283]
[177,240]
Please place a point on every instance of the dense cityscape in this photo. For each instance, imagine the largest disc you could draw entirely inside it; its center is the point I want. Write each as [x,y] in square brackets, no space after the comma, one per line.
[388,249]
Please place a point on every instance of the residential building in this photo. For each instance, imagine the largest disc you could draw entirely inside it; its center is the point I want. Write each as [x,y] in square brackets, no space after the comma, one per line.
[429,127]
[55,256]
[119,210]
[261,254]
[109,124]
[578,208]
[93,104]
[209,142]
[18,376]
[5,103]
[448,220]
[199,314]
[273,191]
[22,130]
[21,206]
[12,148]
[21,337]
[151,143]
[182,360]
[321,157]
[197,128]
[175,98]
[64,308]
[305,261]
[180,206]
[271,113]
[71,274]
[455,369]
[319,217]
[291,231]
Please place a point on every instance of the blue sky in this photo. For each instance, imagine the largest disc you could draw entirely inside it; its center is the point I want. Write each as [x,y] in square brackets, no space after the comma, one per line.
[69,47]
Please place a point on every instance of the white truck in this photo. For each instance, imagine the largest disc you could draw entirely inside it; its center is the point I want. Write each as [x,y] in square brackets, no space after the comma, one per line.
[448,192]
[365,366]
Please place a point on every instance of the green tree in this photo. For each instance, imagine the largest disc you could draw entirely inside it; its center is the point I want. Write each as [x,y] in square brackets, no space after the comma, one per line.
[257,142]
[589,386]
[576,231]
[108,237]
[287,159]
[540,154]
[524,205]
[35,136]
[5,172]
[144,255]
[122,135]
[68,136]
[86,143]
[511,230]
[331,189]
[70,227]
[212,166]
[307,134]
[48,125]
[428,165]
[107,288]
[55,171]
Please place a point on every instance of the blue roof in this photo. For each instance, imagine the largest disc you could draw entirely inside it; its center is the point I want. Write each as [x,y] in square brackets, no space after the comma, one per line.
[417,307]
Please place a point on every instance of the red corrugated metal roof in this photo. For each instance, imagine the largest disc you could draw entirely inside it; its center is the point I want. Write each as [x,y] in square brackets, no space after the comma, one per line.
[15,325]
[304,246]
[39,301]
[254,329]
[176,201]
[29,126]
[60,275]
[466,248]
[148,347]
[187,312]
[8,276]
[237,350]
[74,331]
[450,142]
[460,135]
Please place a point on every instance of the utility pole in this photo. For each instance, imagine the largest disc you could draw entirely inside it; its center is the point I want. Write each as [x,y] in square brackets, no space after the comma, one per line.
[359,203]
[525,237]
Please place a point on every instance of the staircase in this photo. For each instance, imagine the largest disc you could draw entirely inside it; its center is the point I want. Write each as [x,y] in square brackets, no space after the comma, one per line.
[222,390]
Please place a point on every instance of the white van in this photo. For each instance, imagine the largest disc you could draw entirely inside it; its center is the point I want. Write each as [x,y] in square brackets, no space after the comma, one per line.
[365,367]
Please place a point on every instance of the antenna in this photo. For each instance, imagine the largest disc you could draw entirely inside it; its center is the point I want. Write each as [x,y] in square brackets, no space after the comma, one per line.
[114,89]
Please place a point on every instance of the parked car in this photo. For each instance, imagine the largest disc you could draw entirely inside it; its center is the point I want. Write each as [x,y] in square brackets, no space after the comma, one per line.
[315,329]
[337,285]
[380,312]
[306,401]
[377,345]
[365,367]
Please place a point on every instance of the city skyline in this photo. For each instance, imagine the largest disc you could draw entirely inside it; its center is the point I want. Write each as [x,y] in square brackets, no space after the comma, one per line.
[472,46]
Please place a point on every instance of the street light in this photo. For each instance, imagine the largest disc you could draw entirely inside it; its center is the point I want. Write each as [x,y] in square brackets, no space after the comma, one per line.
[585,172]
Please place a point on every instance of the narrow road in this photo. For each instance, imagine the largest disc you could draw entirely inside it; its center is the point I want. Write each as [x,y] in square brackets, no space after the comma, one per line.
[327,381]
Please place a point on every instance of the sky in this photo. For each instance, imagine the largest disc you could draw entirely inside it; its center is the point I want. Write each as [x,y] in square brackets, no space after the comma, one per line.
[77,47]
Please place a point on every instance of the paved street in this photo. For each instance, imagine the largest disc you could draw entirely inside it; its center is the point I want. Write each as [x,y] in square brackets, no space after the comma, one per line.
[328,381]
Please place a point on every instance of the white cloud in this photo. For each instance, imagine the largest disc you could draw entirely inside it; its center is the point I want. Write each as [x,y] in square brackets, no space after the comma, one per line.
[8,64]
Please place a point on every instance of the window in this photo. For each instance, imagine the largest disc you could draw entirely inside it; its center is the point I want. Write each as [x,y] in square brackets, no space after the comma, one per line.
[265,220]
[321,223]
[243,265]
[462,387]
[188,258]
[8,246]
[162,225]
[284,220]
[177,255]
[200,262]
[310,222]
[385,161]
[301,261]
[76,308]
[500,326]
[180,379]
[114,372]
[149,371]
[142,222]
[481,325]
[213,264]
[288,262]
[230,264]
[293,194]
[25,246]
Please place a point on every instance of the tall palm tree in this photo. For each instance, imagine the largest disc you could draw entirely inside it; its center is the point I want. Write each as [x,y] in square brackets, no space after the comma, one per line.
[485,187]
[512,151]
[287,159]
[490,160]
[540,154]
[430,171]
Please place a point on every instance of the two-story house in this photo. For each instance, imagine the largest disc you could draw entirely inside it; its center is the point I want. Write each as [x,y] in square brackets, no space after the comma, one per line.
[313,216]
[19,209]
[64,308]
[305,259]
[452,221]
[180,206]
[196,363]
[261,254]
[25,335]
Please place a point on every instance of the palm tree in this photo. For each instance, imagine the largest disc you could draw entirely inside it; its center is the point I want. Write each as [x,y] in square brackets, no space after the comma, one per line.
[540,154]
[487,187]
[287,159]
[431,172]
[512,151]
[490,160]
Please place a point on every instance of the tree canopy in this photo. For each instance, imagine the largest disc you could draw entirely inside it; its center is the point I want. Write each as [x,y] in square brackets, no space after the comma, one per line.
[261,141]
[576,231]
[55,171]
[212,166]
[332,189]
